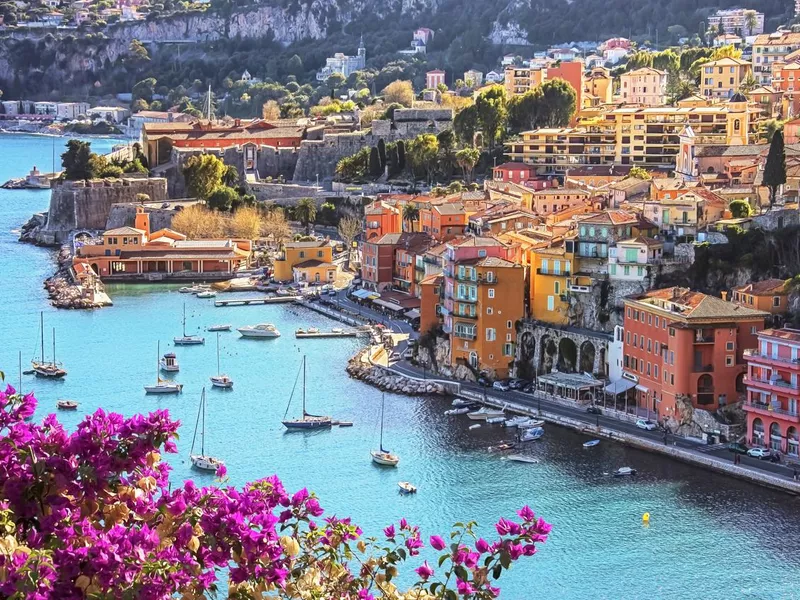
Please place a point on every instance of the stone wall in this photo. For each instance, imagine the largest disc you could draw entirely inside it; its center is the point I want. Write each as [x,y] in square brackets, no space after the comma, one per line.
[284,193]
[776,219]
[123,215]
[542,348]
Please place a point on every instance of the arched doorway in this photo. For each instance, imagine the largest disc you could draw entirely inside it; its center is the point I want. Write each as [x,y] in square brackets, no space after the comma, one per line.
[792,442]
[527,350]
[548,350]
[757,435]
[95,268]
[775,439]
[587,357]
[473,360]
[567,355]
[705,389]
[741,388]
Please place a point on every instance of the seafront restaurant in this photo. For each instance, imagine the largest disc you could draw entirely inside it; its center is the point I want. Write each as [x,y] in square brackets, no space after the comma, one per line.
[573,386]
[134,253]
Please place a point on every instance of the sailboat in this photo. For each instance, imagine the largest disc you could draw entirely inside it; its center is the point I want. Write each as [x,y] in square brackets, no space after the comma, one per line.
[50,370]
[162,386]
[203,461]
[187,340]
[308,421]
[220,380]
[384,457]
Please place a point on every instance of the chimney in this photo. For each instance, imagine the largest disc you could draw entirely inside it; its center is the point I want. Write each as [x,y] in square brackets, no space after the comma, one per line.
[724,295]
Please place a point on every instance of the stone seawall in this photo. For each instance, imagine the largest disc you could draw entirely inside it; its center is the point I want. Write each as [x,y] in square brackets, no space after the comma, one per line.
[359,367]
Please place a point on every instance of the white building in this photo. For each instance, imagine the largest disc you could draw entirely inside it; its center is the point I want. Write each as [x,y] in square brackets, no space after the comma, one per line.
[343,64]
[137,121]
[114,114]
[473,78]
[646,86]
[629,260]
[614,55]
[736,19]
[11,107]
[71,110]
[45,108]
[494,77]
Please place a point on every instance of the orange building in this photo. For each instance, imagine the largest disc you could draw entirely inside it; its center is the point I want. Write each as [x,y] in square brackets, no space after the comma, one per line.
[408,256]
[135,253]
[553,200]
[572,73]
[670,188]
[431,298]
[769,295]
[682,343]
[443,221]
[382,218]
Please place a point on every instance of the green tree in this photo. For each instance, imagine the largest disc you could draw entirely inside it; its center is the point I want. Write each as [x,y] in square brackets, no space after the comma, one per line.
[400,92]
[748,83]
[422,153]
[76,160]
[231,176]
[137,54]
[203,174]
[467,158]
[382,153]
[447,146]
[750,20]
[492,113]
[558,103]
[775,169]
[465,124]
[410,215]
[524,110]
[374,163]
[740,209]
[768,128]
[639,173]
[145,89]
[222,198]
[295,66]
[401,155]
[306,212]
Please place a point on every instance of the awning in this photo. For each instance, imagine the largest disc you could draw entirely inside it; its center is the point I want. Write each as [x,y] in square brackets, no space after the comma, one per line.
[389,305]
[366,294]
[413,314]
[641,388]
[617,387]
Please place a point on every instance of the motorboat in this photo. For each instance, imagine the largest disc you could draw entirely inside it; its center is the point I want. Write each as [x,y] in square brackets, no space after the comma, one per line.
[221,380]
[207,294]
[591,443]
[226,327]
[67,405]
[337,330]
[262,330]
[495,420]
[42,368]
[459,402]
[624,472]
[307,421]
[475,426]
[530,424]
[514,421]
[503,447]
[486,412]
[406,487]
[531,435]
[523,459]
[199,289]
[169,363]
[162,386]
[186,290]
[457,411]
[187,340]
[313,330]
[203,461]
[383,456]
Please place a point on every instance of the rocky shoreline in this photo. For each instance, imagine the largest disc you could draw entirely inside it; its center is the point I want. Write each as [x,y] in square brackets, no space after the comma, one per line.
[64,292]
[359,367]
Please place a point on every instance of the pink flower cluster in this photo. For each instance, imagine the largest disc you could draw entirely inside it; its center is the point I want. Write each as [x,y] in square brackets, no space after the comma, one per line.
[91,513]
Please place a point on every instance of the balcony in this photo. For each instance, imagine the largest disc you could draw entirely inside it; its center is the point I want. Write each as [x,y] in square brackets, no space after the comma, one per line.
[465,299]
[703,369]
[768,410]
[776,385]
[553,273]
[465,278]
[471,317]
[759,357]
[704,339]
[465,334]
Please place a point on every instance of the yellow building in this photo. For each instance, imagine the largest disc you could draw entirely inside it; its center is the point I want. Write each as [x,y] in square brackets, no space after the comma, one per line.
[598,87]
[647,137]
[552,277]
[646,86]
[519,80]
[722,78]
[296,253]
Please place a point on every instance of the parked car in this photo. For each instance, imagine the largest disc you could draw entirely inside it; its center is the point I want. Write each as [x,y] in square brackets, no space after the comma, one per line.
[408,354]
[645,424]
[518,384]
[738,448]
[594,410]
[760,453]
[501,385]
[332,293]
[530,388]
[484,381]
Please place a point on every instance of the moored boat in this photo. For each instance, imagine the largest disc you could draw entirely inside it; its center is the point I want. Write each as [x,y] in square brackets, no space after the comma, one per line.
[407,488]
[485,413]
[591,443]
[187,340]
[67,405]
[207,294]
[530,424]
[495,420]
[225,327]
[523,459]
[457,411]
[169,363]
[531,435]
[262,330]
[221,380]
[42,368]
[203,461]
[624,472]
[162,386]
[307,421]
[382,456]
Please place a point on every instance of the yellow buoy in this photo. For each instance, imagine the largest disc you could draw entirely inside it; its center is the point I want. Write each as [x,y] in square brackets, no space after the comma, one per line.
[646,517]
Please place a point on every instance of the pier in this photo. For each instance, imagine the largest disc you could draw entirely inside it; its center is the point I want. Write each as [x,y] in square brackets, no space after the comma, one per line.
[330,334]
[256,301]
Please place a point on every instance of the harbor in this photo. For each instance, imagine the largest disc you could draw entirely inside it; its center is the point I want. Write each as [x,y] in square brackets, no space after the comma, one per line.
[597,518]
[256,301]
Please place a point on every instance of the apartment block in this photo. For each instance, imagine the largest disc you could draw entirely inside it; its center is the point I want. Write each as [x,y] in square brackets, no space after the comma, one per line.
[723,78]
[646,86]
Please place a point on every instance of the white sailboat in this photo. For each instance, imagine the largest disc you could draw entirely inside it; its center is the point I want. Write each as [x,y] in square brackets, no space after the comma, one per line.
[162,386]
[220,380]
[203,461]
[308,421]
[42,368]
[188,340]
[382,456]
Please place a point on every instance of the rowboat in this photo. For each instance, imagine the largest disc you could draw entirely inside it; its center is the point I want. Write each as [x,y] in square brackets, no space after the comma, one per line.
[591,443]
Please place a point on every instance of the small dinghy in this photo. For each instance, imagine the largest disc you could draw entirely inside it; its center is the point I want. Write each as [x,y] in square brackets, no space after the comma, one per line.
[531,435]
[502,447]
[457,411]
[407,488]
[523,459]
[495,420]
[476,426]
[225,327]
[458,402]
[624,472]
[67,405]
[591,443]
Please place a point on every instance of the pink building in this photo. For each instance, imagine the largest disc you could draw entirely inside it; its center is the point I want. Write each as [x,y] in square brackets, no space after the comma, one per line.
[773,391]
[434,78]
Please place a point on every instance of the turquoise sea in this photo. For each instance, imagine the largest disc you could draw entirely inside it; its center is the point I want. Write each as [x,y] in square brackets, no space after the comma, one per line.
[710,537]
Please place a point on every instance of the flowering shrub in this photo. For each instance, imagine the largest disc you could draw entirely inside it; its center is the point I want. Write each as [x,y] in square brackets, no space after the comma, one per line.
[91,515]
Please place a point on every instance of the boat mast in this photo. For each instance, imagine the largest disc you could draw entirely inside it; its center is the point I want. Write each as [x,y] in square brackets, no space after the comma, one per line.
[54,346]
[158,361]
[218,371]
[197,422]
[304,386]
[184,319]
[20,372]
[41,329]
[203,430]
[383,404]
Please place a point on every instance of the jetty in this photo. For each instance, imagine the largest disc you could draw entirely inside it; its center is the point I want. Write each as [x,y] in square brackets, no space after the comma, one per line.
[329,334]
[256,301]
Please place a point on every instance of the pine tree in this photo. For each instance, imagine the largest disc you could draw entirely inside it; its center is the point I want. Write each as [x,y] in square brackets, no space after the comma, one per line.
[775,169]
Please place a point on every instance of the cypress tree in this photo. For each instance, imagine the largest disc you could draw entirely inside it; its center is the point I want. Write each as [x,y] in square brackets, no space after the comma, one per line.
[374,163]
[401,155]
[382,153]
[775,169]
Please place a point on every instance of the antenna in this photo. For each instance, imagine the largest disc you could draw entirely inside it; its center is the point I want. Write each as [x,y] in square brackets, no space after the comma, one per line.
[208,99]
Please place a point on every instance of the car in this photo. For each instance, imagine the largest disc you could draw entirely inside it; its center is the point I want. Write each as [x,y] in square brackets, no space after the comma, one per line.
[646,425]
[332,293]
[501,386]
[594,410]
[530,388]
[738,448]
[408,354]
[484,381]
[760,453]
[517,384]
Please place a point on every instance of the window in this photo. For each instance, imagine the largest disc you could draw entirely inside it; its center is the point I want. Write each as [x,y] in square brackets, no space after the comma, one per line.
[672,357]
[649,319]
[489,310]
[557,288]
[671,332]
[729,346]
[508,350]
[628,337]
[627,361]
[776,301]
[491,292]
[319,253]
[302,254]
[629,312]
[649,345]
[655,371]
[482,253]
[491,334]
[551,303]
[729,360]
[658,348]
[509,324]
[672,379]
[648,369]
[545,265]
[635,339]
[754,329]
[490,276]
[656,322]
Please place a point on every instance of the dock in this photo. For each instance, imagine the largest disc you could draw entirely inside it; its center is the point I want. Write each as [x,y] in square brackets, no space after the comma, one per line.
[256,301]
[328,334]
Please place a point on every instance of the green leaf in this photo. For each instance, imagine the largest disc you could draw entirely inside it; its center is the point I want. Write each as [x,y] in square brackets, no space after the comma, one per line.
[497,571]
[461,573]
[450,595]
[505,560]
[443,558]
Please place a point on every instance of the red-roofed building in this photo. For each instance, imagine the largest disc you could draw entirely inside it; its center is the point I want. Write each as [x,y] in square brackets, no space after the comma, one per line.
[513,172]
[381,218]
[769,295]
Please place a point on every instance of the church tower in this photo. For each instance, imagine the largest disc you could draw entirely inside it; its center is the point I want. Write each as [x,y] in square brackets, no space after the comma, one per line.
[738,120]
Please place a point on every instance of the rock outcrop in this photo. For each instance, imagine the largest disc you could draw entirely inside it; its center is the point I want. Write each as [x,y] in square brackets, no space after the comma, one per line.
[64,292]
[360,368]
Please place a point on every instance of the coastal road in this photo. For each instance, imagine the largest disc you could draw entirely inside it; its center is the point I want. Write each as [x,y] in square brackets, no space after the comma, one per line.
[397,325]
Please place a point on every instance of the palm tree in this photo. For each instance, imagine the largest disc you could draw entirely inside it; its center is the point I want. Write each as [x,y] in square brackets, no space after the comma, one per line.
[306,212]
[410,214]
[750,20]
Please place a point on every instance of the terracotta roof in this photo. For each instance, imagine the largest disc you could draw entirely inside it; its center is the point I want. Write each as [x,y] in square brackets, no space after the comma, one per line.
[450,209]
[643,239]
[124,231]
[790,335]
[554,191]
[477,242]
[709,196]
[309,264]
[612,217]
[432,279]
[314,244]
[181,255]
[768,287]
[746,150]
[515,166]
[628,182]
[671,183]
[689,304]
[494,261]
[600,170]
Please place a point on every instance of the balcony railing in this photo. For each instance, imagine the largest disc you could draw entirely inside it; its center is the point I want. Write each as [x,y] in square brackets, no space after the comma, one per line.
[773,382]
[703,369]
[464,334]
[703,339]
[756,354]
[471,317]
[554,273]
[464,299]
[770,408]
